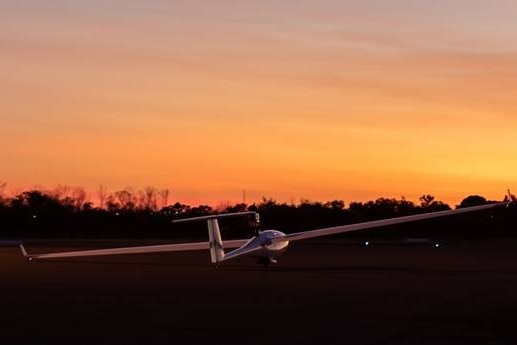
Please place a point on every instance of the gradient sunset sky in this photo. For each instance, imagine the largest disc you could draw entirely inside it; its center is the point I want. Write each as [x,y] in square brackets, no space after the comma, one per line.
[312,99]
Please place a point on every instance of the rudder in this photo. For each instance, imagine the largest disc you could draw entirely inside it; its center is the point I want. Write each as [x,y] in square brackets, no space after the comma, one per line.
[216,244]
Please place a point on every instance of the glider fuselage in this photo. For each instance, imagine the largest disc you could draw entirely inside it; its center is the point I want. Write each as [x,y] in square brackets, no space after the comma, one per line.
[268,248]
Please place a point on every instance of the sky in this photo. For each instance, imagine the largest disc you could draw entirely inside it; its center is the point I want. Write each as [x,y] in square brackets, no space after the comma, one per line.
[289,100]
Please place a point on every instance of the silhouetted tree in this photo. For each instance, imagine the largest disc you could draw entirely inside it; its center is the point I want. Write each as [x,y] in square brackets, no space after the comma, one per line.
[111,204]
[236,208]
[148,197]
[335,204]
[384,208]
[79,197]
[199,211]
[164,194]
[126,199]
[426,200]
[102,193]
[472,200]
[174,211]
[2,189]
[429,204]
[64,212]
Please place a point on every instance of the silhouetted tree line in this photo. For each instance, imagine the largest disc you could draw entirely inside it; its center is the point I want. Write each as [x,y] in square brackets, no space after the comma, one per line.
[66,213]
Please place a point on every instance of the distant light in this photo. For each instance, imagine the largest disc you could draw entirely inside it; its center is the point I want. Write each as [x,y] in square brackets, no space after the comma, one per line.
[34,216]
[436,245]
[367,243]
[117,214]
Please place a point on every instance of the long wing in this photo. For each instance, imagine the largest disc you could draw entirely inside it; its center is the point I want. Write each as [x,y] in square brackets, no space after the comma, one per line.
[177,247]
[378,223]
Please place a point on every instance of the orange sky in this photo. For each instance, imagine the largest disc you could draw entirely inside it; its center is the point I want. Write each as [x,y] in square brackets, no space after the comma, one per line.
[305,99]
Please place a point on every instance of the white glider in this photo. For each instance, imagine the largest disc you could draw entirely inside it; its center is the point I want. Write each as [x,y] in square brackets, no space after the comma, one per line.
[265,245]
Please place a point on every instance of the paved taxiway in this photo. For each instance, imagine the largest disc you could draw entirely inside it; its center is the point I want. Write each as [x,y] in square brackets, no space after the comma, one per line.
[318,293]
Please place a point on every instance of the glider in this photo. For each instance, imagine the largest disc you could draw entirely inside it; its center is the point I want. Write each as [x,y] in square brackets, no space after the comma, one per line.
[265,245]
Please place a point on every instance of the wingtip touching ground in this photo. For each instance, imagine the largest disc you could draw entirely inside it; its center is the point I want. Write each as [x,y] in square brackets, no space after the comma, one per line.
[510,199]
[24,252]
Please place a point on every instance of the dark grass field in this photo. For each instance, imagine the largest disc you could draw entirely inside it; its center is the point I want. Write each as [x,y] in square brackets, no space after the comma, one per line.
[318,293]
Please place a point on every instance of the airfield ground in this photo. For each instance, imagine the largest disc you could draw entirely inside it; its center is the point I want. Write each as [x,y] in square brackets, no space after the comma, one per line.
[319,293]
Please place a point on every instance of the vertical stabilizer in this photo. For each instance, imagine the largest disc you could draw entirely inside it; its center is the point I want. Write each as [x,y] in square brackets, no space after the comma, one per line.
[216,244]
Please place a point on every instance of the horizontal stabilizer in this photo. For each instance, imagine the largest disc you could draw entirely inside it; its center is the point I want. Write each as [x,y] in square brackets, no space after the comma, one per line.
[214,216]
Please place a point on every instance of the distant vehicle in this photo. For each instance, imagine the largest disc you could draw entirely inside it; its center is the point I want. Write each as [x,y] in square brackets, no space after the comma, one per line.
[266,245]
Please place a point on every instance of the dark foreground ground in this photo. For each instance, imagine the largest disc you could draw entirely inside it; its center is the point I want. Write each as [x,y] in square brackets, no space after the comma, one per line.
[319,293]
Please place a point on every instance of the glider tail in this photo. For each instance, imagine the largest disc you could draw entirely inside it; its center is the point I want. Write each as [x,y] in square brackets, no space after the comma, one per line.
[510,199]
[216,244]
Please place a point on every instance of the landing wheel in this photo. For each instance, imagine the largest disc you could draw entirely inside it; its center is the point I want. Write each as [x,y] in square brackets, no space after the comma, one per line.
[264,261]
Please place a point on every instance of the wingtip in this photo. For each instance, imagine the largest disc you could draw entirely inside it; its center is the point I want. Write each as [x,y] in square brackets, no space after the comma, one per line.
[25,254]
[510,199]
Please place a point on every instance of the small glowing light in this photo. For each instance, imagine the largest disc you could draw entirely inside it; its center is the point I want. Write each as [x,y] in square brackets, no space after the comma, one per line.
[367,243]
[34,216]
[116,214]
[436,245]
